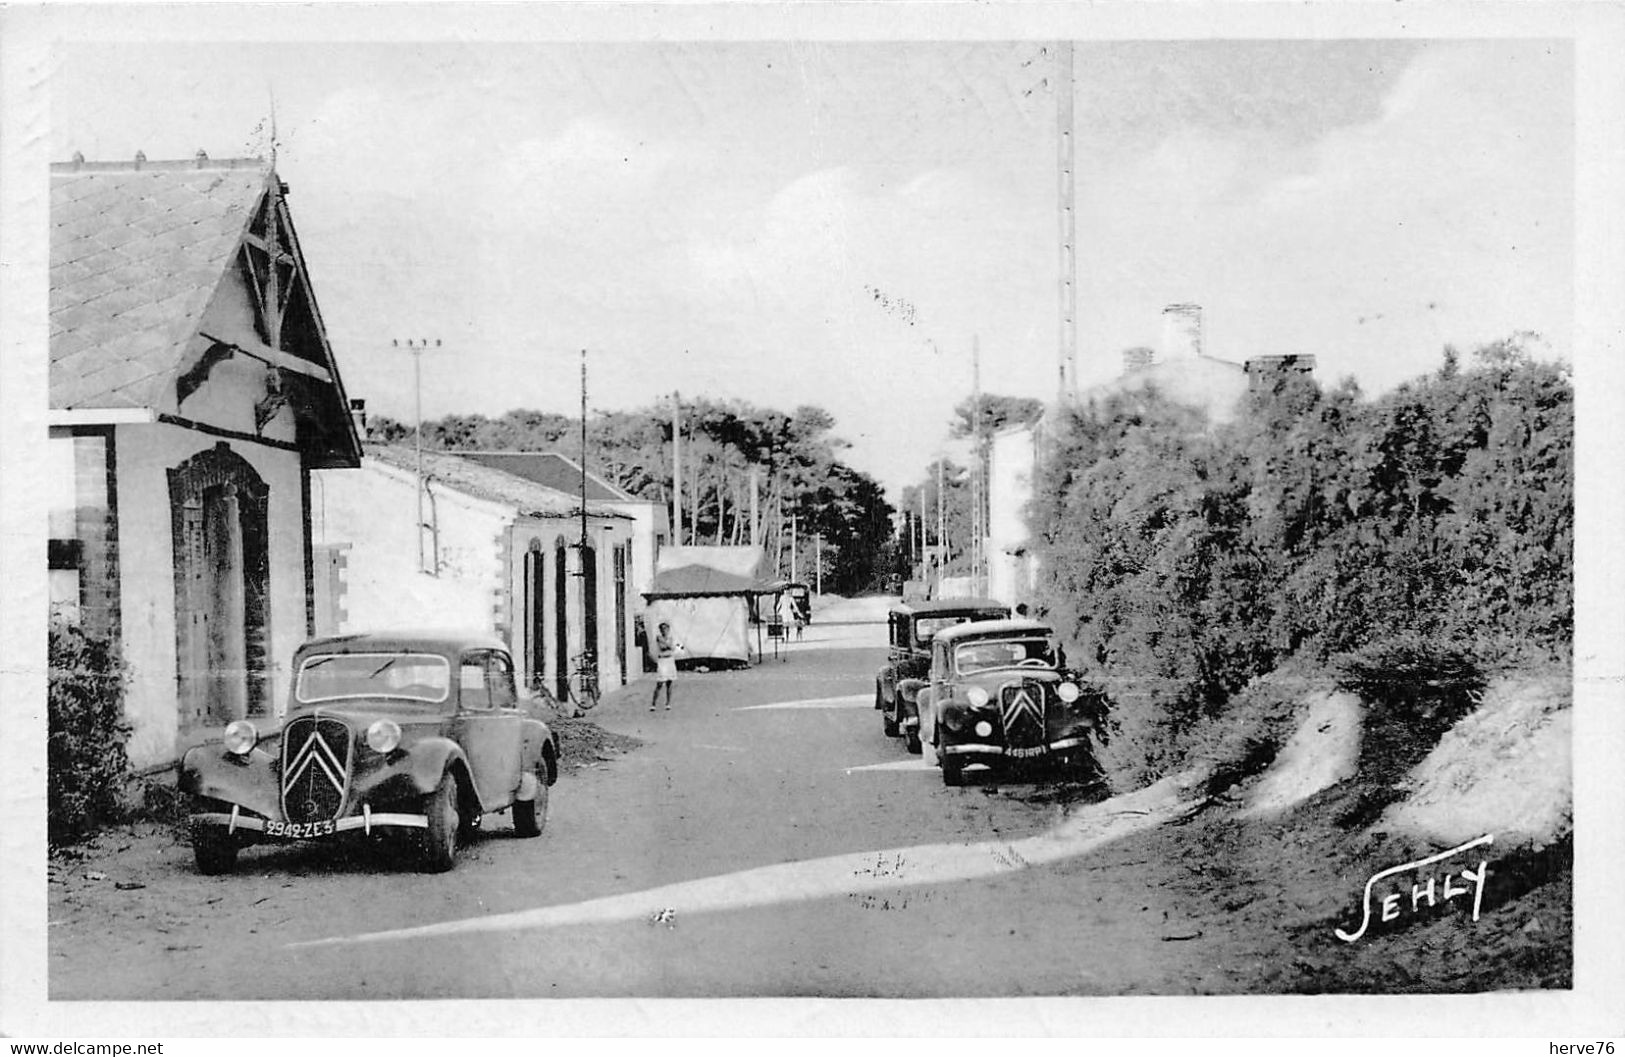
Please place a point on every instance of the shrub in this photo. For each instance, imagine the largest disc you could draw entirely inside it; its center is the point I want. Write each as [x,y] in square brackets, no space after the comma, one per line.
[86,763]
[1415,686]
[1404,535]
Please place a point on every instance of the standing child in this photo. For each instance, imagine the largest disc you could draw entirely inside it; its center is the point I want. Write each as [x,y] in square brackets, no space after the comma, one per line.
[665,664]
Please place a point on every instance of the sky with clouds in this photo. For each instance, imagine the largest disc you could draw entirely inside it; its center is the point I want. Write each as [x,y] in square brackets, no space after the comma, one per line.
[840,223]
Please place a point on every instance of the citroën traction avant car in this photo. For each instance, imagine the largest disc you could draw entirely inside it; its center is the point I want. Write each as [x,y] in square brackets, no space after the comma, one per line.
[416,735]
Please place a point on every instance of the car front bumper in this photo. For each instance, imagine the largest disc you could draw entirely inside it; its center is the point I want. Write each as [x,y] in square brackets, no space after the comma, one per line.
[988,748]
[367,821]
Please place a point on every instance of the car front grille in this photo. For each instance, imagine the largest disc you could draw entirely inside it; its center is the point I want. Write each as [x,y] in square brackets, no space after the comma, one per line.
[1021,706]
[315,768]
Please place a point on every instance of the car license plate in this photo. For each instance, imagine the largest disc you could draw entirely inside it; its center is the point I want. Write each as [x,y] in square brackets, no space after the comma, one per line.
[1037,750]
[299,830]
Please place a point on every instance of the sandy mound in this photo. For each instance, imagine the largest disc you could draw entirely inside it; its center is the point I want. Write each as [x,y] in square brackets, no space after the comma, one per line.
[1323,751]
[1505,770]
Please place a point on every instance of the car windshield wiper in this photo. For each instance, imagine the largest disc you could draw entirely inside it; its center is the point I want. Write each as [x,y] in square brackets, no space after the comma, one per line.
[382,668]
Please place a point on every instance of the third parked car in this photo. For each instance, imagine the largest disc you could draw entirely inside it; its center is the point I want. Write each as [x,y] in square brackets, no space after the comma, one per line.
[910,628]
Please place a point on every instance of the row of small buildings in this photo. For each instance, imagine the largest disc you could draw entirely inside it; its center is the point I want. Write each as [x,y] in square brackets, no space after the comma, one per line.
[216,499]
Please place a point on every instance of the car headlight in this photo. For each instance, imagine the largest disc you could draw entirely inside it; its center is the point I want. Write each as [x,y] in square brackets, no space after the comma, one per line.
[953,718]
[983,728]
[976,696]
[1067,692]
[240,737]
[383,736]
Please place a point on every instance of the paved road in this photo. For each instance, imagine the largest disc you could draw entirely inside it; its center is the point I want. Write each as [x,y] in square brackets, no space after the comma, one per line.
[764,840]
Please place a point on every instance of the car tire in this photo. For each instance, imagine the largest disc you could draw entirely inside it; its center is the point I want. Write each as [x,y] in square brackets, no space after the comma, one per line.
[439,851]
[888,722]
[953,771]
[880,702]
[530,816]
[214,849]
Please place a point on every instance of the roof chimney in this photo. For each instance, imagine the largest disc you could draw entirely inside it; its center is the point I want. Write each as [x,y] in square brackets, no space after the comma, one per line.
[78,161]
[1138,358]
[1181,332]
[202,157]
[140,158]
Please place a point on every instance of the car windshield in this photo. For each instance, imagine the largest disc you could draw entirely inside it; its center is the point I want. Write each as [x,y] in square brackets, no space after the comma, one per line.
[978,656]
[926,627]
[336,676]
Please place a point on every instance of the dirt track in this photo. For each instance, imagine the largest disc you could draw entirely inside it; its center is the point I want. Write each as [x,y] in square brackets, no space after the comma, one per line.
[741,850]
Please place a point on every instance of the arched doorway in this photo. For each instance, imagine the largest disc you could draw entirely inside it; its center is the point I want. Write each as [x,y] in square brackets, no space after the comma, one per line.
[561,622]
[218,518]
[534,615]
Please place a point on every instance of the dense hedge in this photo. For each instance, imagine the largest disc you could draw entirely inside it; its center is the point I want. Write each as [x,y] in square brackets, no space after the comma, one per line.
[1188,559]
[86,764]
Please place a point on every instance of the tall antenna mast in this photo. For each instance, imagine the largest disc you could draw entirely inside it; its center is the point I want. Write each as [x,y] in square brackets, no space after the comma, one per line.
[978,530]
[583,458]
[1067,379]
[270,90]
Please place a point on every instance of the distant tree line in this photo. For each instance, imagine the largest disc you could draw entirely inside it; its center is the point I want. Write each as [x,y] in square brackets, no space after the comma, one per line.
[838,514]
[1186,560]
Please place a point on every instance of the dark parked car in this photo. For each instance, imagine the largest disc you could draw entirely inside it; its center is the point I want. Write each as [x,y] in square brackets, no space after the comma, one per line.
[405,734]
[1000,693]
[910,628]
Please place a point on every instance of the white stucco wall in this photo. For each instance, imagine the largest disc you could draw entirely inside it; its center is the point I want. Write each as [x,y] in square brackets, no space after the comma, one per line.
[1012,457]
[1216,386]
[605,534]
[145,454]
[481,546]
[374,508]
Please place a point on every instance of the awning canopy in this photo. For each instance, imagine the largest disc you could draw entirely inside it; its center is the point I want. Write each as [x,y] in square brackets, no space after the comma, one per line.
[699,581]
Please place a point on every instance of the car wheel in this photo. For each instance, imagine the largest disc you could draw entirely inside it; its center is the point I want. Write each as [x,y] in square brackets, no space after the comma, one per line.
[953,770]
[530,816]
[214,849]
[888,722]
[880,702]
[440,839]
[911,739]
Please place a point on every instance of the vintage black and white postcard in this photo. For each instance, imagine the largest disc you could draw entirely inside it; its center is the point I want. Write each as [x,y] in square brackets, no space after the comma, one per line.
[876,510]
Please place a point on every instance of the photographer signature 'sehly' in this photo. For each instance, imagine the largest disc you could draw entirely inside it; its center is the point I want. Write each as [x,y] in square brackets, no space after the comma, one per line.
[1432,893]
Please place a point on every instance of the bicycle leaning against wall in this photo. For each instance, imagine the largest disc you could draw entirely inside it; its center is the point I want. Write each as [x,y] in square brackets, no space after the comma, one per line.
[584,681]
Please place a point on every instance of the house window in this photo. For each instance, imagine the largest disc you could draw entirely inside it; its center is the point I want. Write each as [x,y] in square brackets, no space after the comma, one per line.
[82,530]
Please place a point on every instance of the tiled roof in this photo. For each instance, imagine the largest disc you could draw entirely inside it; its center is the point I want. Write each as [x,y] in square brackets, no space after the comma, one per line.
[551,469]
[483,482]
[136,254]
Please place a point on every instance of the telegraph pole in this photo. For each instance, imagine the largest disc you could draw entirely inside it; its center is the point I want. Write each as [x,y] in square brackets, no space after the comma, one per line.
[942,528]
[676,469]
[416,346]
[978,496]
[589,650]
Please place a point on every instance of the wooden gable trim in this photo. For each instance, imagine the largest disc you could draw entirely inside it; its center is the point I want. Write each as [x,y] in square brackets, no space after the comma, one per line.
[301,275]
[229,434]
[285,361]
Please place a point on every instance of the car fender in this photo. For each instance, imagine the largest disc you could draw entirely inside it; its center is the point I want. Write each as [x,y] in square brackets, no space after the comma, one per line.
[432,757]
[541,745]
[212,772]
